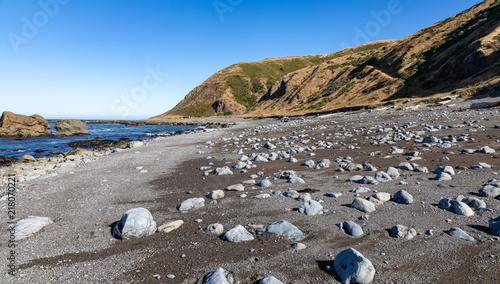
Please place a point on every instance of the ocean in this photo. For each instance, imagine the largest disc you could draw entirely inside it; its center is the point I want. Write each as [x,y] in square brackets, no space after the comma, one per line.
[43,146]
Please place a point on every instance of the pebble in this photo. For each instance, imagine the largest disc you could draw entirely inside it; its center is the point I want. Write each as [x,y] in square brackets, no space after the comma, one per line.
[299,246]
[215,228]
[170,226]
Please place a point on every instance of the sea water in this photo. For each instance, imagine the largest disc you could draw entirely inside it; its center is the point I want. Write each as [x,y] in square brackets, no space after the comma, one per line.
[17,147]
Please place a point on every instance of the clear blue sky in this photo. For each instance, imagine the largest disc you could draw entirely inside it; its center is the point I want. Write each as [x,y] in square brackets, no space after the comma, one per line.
[136,59]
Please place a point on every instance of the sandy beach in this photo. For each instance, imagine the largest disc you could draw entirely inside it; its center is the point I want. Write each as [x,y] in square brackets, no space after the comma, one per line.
[84,200]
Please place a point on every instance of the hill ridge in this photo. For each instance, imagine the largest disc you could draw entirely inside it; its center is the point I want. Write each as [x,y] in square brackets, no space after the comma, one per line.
[459,55]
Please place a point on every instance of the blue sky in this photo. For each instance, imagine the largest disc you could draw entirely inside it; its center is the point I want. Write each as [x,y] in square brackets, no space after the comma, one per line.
[135,59]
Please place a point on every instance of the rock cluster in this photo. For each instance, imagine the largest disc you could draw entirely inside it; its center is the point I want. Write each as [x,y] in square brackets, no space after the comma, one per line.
[17,125]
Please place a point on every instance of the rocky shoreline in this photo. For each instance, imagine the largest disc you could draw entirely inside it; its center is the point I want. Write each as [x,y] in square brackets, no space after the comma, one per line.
[406,195]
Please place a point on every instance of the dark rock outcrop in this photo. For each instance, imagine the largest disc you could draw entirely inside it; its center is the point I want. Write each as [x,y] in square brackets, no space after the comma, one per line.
[17,125]
[71,127]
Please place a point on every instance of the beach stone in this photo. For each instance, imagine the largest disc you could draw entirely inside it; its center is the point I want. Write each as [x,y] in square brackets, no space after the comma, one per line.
[491,189]
[260,159]
[17,125]
[486,150]
[383,177]
[270,280]
[236,187]
[291,194]
[392,172]
[282,228]
[368,180]
[70,127]
[474,202]
[494,226]
[222,171]
[237,234]
[286,174]
[455,206]
[216,194]
[356,178]
[449,170]
[352,267]
[30,225]
[445,204]
[262,196]
[405,166]
[334,194]
[240,165]
[430,139]
[299,246]
[265,183]
[360,189]
[363,205]
[292,160]
[305,197]
[421,169]
[442,176]
[468,151]
[403,232]
[311,208]
[382,196]
[83,152]
[461,208]
[402,197]
[135,223]
[296,180]
[396,150]
[215,228]
[170,226]
[134,144]
[269,145]
[351,167]
[219,276]
[460,234]
[352,228]
[309,163]
[191,203]
[27,159]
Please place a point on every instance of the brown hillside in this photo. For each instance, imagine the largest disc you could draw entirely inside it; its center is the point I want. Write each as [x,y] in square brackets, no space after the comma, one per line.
[460,55]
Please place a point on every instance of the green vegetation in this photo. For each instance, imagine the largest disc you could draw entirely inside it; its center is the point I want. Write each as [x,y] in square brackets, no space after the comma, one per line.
[256,86]
[228,113]
[333,87]
[372,46]
[240,88]
[333,67]
[200,111]
[437,46]
[374,98]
